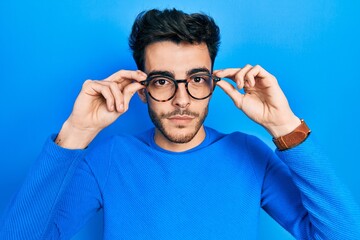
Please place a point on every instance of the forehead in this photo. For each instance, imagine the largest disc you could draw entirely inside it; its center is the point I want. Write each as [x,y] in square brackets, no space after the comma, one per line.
[177,58]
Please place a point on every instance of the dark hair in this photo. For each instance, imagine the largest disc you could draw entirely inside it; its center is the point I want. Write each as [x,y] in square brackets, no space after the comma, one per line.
[172,25]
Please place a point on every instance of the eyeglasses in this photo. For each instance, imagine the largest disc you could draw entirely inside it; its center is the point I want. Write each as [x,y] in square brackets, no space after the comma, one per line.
[163,88]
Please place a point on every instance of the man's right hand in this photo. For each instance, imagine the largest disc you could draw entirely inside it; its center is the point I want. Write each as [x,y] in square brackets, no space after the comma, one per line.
[98,105]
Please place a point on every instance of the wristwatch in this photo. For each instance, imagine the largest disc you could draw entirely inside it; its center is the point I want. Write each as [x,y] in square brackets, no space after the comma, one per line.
[294,138]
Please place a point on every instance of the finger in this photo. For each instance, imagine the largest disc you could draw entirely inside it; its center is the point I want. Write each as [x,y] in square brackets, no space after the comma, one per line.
[129,92]
[250,76]
[217,71]
[255,73]
[228,72]
[233,93]
[121,83]
[240,76]
[104,91]
[126,75]
[260,72]
[119,92]
[236,74]
[118,96]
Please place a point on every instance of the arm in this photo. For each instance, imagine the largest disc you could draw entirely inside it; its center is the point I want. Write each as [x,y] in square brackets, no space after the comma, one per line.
[30,211]
[43,206]
[333,213]
[324,211]
[301,192]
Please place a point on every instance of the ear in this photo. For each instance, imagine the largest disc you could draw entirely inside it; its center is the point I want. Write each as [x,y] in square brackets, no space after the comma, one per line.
[142,95]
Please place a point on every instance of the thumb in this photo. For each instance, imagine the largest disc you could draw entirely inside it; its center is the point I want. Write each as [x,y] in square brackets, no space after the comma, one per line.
[233,93]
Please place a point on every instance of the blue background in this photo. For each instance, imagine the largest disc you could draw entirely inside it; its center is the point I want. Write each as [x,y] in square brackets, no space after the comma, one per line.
[48,48]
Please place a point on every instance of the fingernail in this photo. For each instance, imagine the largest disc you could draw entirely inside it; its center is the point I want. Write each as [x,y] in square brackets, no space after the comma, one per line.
[121,107]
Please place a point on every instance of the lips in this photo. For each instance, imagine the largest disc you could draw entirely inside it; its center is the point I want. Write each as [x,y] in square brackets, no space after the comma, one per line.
[181,119]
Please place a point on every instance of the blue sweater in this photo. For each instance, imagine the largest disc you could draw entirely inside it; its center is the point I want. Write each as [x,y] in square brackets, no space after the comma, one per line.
[213,191]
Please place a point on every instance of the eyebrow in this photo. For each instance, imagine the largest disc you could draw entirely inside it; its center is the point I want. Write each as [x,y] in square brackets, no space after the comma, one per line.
[172,75]
[161,73]
[198,70]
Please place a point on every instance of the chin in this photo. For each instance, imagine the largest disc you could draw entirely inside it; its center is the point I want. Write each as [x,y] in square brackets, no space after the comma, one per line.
[180,138]
[179,133]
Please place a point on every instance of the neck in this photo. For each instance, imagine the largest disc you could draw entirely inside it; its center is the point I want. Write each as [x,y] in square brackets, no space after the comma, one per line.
[166,144]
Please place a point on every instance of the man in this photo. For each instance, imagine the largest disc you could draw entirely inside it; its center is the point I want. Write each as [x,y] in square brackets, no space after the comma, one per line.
[181,180]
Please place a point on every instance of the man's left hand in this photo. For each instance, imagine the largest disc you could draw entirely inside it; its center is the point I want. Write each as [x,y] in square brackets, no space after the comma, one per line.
[263,100]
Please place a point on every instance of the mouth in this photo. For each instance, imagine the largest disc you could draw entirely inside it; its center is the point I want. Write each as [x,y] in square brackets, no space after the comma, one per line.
[181,118]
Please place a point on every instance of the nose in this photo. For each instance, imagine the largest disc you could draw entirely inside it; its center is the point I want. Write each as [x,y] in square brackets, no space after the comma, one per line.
[181,98]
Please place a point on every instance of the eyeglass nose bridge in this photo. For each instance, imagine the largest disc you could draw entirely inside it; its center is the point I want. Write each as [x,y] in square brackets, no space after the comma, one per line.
[177,81]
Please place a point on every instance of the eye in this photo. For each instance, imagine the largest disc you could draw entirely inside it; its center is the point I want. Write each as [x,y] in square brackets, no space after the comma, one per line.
[160,82]
[199,79]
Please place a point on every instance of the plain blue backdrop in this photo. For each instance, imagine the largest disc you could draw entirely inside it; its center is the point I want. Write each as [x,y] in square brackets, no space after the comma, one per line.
[48,48]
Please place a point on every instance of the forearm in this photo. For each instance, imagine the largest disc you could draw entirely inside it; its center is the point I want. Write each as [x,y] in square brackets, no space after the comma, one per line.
[31,210]
[333,213]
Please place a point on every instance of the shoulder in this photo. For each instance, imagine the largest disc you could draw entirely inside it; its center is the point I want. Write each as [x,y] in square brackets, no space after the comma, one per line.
[249,140]
[101,153]
[241,143]
[245,150]
[104,149]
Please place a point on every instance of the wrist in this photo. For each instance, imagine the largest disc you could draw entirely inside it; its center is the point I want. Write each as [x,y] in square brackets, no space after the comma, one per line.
[284,129]
[294,138]
[73,137]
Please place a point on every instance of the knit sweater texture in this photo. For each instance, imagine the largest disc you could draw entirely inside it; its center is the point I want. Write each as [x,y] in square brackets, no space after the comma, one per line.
[213,191]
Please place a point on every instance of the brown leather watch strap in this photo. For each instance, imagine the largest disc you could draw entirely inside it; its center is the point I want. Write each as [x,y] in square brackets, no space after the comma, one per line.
[294,138]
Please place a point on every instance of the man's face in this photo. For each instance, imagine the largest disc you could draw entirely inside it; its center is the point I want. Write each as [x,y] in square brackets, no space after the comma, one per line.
[179,120]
